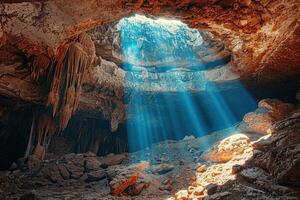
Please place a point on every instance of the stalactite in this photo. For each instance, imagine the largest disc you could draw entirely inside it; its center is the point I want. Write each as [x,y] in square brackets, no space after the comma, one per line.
[30,140]
[45,128]
[70,67]
[39,66]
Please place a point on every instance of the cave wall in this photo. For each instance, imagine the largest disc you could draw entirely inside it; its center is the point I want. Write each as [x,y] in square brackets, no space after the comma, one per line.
[262,37]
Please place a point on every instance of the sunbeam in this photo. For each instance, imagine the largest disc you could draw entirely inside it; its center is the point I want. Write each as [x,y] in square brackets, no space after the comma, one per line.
[168,95]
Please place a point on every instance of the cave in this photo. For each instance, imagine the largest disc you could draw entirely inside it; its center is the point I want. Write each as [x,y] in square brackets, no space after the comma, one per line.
[150,99]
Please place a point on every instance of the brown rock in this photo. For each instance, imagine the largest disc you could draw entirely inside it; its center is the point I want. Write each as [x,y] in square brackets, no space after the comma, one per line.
[236,169]
[92,164]
[75,171]
[226,149]
[51,172]
[63,171]
[112,159]
[95,176]
[269,111]
[253,174]
[182,195]
[201,168]
[162,168]
[33,163]
[127,178]
[198,191]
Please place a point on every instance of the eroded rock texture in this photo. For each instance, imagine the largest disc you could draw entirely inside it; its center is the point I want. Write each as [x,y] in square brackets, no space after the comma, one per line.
[228,164]
[263,36]
[65,56]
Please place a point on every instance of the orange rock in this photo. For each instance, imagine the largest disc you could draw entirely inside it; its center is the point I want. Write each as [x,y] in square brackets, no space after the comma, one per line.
[182,195]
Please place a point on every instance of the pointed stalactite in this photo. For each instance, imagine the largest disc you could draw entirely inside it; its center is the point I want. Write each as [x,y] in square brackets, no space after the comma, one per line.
[39,66]
[70,66]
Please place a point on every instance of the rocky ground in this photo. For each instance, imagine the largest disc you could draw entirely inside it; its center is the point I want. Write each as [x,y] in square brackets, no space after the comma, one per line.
[258,159]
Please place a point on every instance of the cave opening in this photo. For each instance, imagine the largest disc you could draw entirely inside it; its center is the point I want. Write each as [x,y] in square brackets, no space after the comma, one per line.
[178,82]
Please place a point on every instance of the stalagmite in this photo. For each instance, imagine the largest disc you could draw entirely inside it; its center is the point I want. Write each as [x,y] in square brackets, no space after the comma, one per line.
[45,128]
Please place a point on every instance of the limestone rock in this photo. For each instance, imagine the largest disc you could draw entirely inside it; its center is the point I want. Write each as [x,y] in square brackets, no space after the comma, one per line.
[269,111]
[182,195]
[226,149]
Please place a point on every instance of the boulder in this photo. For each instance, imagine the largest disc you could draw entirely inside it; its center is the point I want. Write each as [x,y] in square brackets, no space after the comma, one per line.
[269,111]
[281,156]
[162,168]
[126,178]
[216,196]
[254,173]
[63,171]
[228,148]
[182,195]
[112,159]
[95,176]
[75,171]
[92,164]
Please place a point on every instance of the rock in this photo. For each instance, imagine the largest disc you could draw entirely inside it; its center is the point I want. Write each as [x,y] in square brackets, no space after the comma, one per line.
[254,173]
[217,196]
[95,176]
[182,195]
[211,189]
[198,191]
[201,168]
[236,169]
[39,152]
[76,159]
[89,154]
[269,111]
[121,179]
[226,149]
[112,159]
[92,164]
[167,187]
[188,137]
[262,142]
[281,156]
[162,168]
[63,171]
[75,171]
[29,196]
[33,163]
[290,175]
[13,166]
[51,172]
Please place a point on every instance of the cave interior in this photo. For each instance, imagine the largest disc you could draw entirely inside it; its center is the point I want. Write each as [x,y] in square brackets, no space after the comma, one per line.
[150,99]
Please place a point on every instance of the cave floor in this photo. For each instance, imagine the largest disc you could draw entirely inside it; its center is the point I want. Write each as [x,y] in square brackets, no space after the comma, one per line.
[165,169]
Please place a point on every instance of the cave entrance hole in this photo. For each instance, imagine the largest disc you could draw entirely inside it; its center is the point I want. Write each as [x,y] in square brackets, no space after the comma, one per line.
[170,92]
